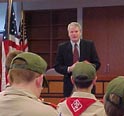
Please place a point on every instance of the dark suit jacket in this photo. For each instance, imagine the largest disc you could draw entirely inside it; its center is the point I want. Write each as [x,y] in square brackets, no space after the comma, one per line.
[64,56]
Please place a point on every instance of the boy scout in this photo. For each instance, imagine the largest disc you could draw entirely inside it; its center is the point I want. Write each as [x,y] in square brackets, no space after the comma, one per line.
[114,97]
[82,102]
[26,75]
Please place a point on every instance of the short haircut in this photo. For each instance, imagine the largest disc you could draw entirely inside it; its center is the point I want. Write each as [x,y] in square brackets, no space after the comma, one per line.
[80,81]
[112,109]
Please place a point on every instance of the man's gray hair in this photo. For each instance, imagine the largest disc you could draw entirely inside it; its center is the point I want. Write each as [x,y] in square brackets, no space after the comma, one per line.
[76,24]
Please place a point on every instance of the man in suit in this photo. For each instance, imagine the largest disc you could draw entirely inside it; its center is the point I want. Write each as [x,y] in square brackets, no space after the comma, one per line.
[65,61]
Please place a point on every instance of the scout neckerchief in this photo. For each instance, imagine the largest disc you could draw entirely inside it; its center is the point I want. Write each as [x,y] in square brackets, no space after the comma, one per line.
[78,105]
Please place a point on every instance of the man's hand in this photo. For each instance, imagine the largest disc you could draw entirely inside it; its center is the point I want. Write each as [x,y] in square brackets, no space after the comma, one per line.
[70,68]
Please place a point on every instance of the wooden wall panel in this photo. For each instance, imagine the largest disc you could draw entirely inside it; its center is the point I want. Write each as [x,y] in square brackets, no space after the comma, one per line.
[99,88]
[40,46]
[40,32]
[105,26]
[56,87]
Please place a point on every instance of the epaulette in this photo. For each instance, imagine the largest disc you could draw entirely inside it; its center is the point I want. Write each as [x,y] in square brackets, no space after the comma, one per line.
[63,99]
[50,104]
[101,100]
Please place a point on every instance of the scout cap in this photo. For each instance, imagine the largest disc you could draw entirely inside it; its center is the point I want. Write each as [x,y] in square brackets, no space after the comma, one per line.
[115,91]
[84,69]
[33,62]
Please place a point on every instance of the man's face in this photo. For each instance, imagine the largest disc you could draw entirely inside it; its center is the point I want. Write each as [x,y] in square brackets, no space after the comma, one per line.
[74,33]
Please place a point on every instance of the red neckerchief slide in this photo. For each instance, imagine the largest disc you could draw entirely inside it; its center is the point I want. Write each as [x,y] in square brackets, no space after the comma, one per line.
[79,105]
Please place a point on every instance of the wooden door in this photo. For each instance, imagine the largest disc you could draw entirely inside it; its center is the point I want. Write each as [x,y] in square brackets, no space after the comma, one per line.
[116,40]
[105,26]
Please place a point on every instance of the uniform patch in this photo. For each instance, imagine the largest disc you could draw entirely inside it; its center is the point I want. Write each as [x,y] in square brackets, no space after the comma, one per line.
[76,105]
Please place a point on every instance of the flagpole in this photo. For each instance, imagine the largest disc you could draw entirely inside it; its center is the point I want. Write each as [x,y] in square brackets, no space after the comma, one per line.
[9,15]
[22,19]
[21,28]
[23,34]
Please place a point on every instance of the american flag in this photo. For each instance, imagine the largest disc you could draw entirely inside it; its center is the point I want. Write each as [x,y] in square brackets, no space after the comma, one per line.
[10,41]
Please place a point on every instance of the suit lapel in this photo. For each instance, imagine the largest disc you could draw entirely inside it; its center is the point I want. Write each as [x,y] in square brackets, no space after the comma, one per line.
[69,51]
[82,48]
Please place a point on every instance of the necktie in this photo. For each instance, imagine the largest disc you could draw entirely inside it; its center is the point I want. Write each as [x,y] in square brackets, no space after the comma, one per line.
[75,54]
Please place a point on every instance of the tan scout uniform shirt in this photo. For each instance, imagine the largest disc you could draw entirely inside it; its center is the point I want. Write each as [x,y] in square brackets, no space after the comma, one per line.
[95,109]
[17,102]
